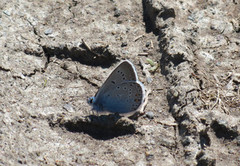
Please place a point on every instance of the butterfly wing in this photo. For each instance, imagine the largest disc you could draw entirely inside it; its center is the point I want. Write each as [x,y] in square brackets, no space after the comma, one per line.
[125,71]
[124,98]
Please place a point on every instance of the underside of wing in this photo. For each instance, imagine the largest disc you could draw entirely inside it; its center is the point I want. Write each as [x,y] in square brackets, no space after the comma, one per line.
[125,71]
[124,98]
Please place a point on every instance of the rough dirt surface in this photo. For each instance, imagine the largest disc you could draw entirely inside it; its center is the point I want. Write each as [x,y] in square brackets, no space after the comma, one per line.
[56,54]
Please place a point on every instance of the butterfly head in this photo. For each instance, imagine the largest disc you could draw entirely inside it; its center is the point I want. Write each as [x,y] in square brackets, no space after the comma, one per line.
[91,100]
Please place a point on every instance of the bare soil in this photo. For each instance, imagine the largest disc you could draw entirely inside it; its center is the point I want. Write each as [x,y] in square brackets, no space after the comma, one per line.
[56,54]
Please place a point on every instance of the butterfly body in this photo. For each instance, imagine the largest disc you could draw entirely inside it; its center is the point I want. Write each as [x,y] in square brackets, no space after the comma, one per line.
[121,93]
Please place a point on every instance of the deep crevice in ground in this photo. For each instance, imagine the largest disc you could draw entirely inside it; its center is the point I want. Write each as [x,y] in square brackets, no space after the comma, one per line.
[151,14]
[222,131]
[98,56]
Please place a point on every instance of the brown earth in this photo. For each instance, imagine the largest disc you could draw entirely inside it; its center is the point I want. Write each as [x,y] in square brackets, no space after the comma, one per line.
[56,54]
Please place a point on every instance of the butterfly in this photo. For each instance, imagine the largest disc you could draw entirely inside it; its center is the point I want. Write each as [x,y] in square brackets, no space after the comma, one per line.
[121,93]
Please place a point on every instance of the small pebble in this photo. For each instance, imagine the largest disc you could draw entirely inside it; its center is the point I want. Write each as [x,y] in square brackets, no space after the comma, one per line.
[48,31]
[68,107]
[145,49]
[117,12]
[149,156]
[149,80]
[230,151]
[148,44]
[150,115]
[124,44]
[186,141]
[7,12]
[218,63]
[124,51]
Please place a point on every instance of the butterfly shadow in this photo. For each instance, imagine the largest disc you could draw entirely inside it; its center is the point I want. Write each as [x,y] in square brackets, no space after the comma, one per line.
[102,127]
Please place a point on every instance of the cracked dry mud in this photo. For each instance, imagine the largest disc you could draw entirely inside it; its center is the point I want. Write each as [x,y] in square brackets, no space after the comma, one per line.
[56,54]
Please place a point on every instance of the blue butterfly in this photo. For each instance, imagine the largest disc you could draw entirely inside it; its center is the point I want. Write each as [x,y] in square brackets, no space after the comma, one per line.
[121,93]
